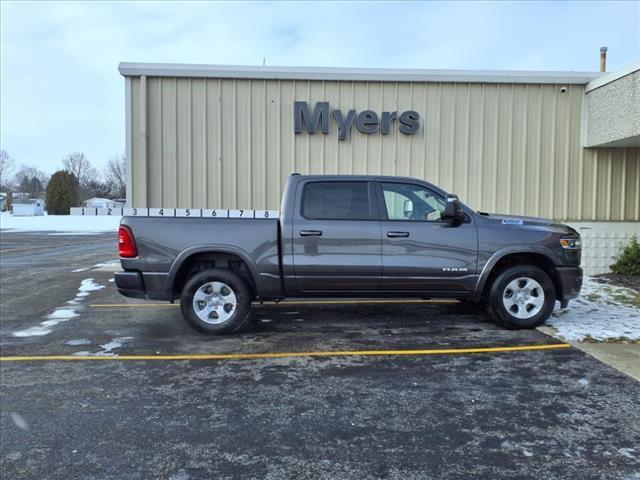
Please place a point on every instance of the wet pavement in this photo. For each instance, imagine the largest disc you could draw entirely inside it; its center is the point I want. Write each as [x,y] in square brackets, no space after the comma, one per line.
[555,413]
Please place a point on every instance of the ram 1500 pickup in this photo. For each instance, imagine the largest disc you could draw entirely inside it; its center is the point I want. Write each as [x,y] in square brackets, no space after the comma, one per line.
[355,236]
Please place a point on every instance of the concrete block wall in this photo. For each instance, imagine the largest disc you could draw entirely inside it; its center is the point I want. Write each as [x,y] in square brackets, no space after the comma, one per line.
[602,242]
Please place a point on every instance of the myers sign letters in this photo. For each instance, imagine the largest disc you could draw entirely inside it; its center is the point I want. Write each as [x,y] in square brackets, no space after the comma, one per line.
[366,121]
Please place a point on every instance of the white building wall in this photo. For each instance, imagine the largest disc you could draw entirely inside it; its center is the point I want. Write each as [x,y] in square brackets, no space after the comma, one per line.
[28,209]
[613,109]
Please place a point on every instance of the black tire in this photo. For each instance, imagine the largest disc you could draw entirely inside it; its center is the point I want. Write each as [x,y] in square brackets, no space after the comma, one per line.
[501,291]
[239,313]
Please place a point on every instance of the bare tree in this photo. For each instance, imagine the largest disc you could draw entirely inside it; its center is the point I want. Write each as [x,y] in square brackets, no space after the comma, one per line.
[99,189]
[116,175]
[31,180]
[78,164]
[6,168]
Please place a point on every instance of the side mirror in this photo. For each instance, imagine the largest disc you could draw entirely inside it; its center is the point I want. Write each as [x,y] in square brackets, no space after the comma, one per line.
[453,212]
[408,208]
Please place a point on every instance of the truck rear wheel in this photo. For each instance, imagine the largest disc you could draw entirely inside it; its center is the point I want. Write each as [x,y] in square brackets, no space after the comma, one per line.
[216,301]
[521,296]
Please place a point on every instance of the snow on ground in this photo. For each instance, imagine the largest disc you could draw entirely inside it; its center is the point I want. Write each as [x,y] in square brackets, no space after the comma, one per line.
[61,314]
[88,285]
[107,348]
[602,312]
[61,224]
[110,266]
[78,341]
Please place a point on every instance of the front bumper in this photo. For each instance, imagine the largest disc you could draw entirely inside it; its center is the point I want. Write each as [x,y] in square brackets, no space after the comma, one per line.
[130,284]
[570,283]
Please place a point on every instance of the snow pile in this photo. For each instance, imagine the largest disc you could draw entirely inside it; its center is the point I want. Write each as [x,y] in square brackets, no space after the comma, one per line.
[77,224]
[602,312]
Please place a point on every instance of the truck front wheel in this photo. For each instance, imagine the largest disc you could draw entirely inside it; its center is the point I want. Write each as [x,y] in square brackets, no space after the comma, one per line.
[521,296]
[216,301]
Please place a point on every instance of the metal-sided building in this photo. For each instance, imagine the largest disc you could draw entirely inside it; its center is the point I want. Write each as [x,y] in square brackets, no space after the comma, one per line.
[561,145]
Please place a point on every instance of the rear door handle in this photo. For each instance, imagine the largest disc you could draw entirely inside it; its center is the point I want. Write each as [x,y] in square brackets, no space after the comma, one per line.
[310,233]
[397,234]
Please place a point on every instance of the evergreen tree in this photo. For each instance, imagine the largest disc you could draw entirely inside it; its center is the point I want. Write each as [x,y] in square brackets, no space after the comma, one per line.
[63,193]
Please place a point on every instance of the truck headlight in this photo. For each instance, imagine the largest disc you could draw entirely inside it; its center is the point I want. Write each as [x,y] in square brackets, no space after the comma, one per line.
[571,243]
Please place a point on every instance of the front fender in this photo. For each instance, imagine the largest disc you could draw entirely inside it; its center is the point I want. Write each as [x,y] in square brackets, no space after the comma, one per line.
[511,250]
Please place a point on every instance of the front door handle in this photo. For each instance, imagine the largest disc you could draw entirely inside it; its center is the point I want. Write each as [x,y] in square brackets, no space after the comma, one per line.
[397,234]
[310,233]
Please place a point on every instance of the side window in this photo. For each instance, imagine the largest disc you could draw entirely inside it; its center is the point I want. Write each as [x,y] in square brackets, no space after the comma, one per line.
[336,201]
[412,202]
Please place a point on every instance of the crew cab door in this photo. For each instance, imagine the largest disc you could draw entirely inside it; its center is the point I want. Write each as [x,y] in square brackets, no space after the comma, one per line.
[336,237]
[420,251]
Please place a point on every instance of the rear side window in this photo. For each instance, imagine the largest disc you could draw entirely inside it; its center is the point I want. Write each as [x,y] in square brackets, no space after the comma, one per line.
[336,201]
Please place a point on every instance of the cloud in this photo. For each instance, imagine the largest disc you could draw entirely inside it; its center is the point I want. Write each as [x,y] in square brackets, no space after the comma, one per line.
[61,91]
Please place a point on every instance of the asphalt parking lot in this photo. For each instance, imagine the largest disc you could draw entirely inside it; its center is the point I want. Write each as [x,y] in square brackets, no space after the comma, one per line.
[128,390]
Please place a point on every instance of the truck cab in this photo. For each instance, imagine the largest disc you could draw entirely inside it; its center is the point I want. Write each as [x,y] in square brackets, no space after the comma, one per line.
[378,236]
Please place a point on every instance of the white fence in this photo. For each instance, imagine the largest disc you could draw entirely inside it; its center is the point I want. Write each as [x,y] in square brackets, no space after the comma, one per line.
[176,212]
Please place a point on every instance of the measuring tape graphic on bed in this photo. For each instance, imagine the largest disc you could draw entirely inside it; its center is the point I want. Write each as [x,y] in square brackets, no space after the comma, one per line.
[176,212]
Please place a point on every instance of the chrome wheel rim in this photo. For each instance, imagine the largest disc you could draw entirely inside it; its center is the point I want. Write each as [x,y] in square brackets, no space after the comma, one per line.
[214,302]
[523,298]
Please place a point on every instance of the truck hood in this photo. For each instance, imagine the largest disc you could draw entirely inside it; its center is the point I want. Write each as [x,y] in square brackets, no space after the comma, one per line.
[520,220]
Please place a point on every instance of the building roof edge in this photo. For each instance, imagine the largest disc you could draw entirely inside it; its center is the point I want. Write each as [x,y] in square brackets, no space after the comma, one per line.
[128,69]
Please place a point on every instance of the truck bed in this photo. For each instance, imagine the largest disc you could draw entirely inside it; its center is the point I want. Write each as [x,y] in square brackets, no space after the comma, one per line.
[165,243]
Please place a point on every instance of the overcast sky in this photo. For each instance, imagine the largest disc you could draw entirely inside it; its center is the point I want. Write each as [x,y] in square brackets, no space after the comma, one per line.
[61,91]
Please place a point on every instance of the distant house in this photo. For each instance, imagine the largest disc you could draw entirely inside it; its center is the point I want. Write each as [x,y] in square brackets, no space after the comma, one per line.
[28,208]
[102,203]
[4,201]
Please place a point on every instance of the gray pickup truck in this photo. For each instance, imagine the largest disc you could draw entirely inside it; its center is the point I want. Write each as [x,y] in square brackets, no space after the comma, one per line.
[354,236]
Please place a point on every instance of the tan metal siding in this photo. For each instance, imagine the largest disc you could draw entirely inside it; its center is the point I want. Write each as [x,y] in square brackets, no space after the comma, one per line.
[513,148]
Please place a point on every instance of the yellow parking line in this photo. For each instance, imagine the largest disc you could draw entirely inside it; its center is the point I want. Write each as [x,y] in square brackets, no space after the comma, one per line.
[292,302]
[247,356]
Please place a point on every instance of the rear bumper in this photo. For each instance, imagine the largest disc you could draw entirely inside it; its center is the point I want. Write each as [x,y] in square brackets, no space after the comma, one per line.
[570,283]
[151,286]
[130,284]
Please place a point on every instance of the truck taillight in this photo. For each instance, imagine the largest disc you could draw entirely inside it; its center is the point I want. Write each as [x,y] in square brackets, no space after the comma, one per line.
[126,243]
